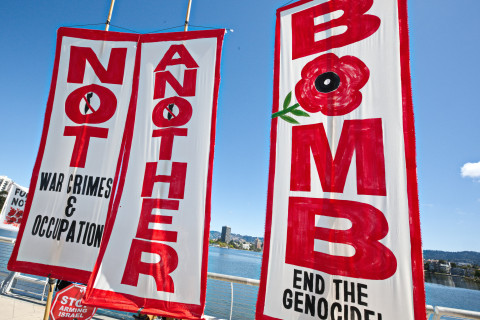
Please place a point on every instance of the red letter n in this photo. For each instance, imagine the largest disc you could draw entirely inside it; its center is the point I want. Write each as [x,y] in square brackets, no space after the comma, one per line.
[365,137]
[185,90]
[160,271]
[113,74]
[315,21]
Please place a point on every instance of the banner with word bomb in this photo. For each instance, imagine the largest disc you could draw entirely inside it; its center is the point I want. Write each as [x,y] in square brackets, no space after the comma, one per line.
[155,250]
[342,234]
[74,176]
[14,205]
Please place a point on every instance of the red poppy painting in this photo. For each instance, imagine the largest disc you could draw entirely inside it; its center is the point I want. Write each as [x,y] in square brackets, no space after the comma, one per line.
[331,85]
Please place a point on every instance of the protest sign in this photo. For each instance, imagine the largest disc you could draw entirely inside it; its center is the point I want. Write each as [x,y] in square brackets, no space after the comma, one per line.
[74,176]
[342,234]
[13,207]
[68,304]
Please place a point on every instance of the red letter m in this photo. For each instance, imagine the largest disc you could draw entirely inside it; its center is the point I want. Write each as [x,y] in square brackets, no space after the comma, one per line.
[362,136]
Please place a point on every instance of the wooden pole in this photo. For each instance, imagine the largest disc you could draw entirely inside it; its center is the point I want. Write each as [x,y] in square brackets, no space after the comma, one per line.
[187,18]
[51,284]
[107,24]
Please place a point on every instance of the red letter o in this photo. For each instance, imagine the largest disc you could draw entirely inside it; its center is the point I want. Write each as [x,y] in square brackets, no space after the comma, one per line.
[184,112]
[106,109]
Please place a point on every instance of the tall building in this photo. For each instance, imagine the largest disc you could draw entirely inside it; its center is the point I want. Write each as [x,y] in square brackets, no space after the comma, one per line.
[226,237]
[5,183]
[258,244]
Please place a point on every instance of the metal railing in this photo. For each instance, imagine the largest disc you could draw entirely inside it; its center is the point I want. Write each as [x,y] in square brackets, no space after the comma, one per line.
[439,313]
[228,297]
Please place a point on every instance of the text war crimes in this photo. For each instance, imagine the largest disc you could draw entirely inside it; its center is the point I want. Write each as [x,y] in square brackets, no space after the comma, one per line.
[70,230]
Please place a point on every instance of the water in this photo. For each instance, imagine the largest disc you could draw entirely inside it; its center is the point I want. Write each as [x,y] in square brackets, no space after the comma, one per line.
[233,262]
[445,291]
[219,293]
[451,297]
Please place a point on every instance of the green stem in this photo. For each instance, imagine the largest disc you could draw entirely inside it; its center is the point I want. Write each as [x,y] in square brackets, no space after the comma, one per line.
[285,111]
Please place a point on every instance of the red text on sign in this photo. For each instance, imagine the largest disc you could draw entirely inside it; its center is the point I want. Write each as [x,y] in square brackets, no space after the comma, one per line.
[371,260]
[364,137]
[358,26]
[112,74]
[78,106]
[169,114]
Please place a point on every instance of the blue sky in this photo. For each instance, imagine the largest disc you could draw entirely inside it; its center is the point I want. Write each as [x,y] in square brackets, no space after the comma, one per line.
[444,37]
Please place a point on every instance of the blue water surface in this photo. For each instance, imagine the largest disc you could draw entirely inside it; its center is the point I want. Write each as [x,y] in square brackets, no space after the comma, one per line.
[452,297]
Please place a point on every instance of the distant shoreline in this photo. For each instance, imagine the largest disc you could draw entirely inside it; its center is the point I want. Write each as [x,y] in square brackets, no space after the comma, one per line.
[472,279]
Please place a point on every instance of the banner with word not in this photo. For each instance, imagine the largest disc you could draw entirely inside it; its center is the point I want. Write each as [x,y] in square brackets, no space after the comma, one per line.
[342,234]
[73,180]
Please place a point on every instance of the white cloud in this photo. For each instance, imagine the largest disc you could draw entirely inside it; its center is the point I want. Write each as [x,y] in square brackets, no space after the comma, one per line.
[471,170]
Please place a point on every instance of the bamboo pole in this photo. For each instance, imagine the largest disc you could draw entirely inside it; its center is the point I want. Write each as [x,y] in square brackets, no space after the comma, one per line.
[51,283]
[187,18]
[107,24]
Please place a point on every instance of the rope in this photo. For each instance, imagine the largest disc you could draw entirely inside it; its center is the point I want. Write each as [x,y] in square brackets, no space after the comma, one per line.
[124,28]
[85,25]
[191,25]
[283,5]
[102,23]
[165,29]
[160,30]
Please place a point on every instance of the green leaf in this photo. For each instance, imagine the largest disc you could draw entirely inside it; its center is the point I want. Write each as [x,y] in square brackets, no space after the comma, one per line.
[288,98]
[289,119]
[300,113]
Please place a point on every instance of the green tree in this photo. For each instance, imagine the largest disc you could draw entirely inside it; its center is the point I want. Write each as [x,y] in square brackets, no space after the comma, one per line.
[477,273]
[3,197]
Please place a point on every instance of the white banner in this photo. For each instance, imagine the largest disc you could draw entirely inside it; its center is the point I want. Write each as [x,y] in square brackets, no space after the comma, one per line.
[342,234]
[13,208]
[154,255]
[74,175]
